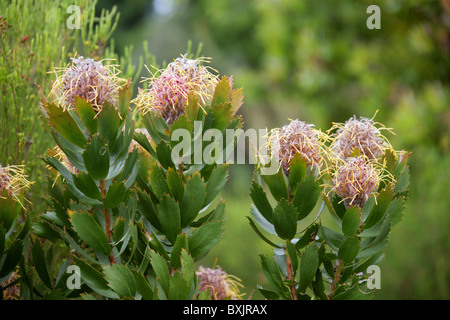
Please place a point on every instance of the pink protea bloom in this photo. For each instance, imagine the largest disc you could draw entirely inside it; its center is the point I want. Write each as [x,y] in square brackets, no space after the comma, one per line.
[297,137]
[88,79]
[221,285]
[356,179]
[168,93]
[362,135]
[13,182]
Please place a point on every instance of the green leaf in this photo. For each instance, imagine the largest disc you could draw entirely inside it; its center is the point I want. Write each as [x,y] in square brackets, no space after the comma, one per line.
[187,267]
[120,279]
[194,197]
[147,208]
[261,202]
[94,279]
[169,217]
[161,270]
[65,125]
[403,181]
[333,239]
[349,249]
[292,252]
[216,183]
[274,277]
[40,264]
[178,287]
[308,265]
[259,233]
[181,242]
[221,92]
[307,236]
[221,116]
[175,184]
[379,209]
[109,123]
[124,99]
[285,220]
[157,180]
[9,210]
[96,158]
[262,221]
[379,243]
[116,194]
[277,185]
[85,183]
[12,258]
[205,238]
[142,286]
[87,114]
[90,232]
[164,154]
[306,196]
[351,220]
[192,107]
[297,171]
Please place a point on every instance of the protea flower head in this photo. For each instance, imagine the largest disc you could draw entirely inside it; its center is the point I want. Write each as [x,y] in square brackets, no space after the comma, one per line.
[221,285]
[169,88]
[362,135]
[88,79]
[356,179]
[297,137]
[13,182]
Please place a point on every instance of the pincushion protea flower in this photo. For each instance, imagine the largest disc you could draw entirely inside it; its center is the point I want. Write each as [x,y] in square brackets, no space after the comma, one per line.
[297,137]
[221,285]
[356,179]
[13,182]
[88,79]
[362,135]
[168,93]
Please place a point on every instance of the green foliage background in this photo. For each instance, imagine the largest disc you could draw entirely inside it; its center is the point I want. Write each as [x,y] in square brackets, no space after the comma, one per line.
[317,62]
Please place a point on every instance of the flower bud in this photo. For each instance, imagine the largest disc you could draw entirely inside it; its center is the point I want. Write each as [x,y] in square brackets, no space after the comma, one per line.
[221,285]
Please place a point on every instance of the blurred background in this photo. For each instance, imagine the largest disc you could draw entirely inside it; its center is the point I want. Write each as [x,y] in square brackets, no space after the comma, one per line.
[319,62]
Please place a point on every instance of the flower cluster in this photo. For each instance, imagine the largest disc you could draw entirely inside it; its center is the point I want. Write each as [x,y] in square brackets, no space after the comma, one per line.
[297,137]
[221,285]
[88,79]
[168,93]
[356,151]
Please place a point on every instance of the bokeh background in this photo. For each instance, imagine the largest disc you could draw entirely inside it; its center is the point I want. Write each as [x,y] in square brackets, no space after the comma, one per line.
[318,62]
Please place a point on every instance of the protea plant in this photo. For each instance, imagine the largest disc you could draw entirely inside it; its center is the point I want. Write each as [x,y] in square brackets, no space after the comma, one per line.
[177,191]
[363,183]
